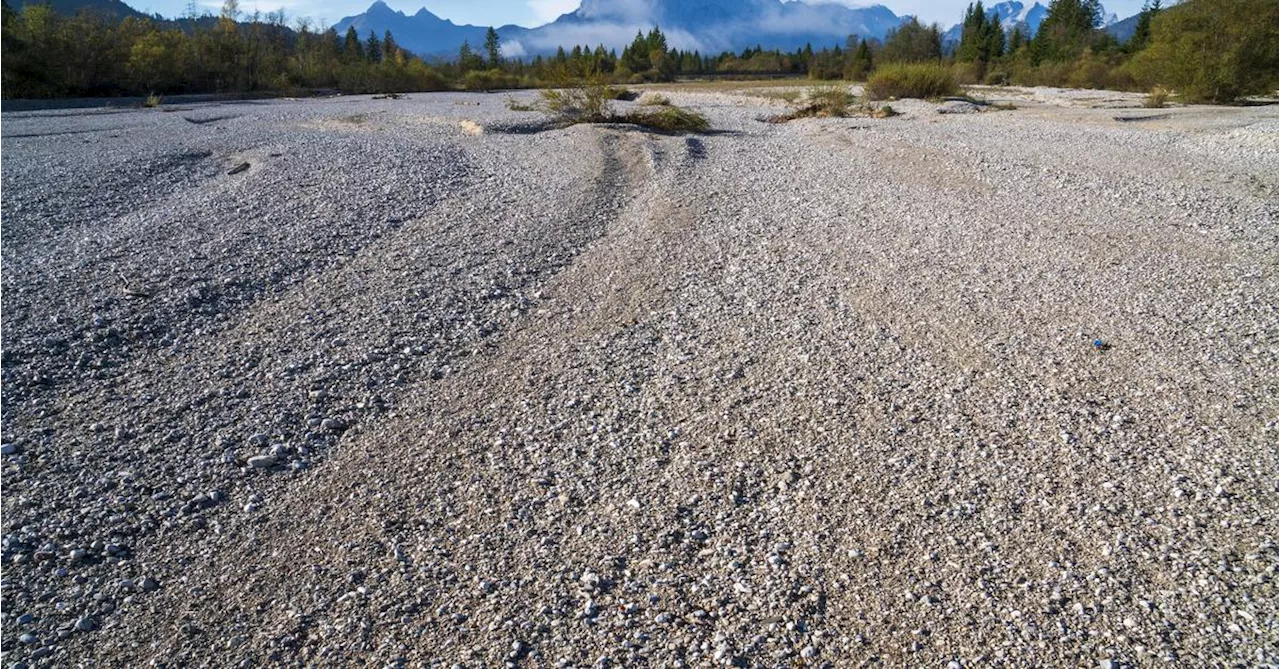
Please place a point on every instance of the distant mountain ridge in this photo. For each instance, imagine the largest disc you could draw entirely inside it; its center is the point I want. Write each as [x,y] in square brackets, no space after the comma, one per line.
[710,26]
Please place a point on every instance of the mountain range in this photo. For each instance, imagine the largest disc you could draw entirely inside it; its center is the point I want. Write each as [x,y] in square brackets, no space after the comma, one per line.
[709,26]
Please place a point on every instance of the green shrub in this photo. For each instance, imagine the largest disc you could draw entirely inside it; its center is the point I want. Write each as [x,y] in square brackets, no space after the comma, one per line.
[911,80]
[1212,50]
[488,80]
[996,78]
[152,100]
[667,118]
[582,100]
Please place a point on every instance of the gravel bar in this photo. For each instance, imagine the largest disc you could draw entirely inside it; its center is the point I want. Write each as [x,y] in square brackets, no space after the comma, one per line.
[427,382]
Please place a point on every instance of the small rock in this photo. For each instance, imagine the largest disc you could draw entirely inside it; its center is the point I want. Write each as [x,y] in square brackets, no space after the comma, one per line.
[86,624]
[333,424]
[8,449]
[809,652]
[262,461]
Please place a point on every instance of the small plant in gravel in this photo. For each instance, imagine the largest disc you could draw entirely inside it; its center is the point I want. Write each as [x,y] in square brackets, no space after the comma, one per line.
[1156,98]
[655,100]
[152,101]
[516,105]
[911,80]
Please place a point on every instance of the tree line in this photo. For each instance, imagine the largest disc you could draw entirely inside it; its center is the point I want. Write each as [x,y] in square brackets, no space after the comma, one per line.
[1214,50]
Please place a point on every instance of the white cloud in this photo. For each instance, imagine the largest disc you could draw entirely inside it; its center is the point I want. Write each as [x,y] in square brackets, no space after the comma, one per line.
[546,11]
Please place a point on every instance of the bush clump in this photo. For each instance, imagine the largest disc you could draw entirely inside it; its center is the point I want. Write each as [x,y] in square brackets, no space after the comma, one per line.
[489,80]
[911,80]
[667,118]
[587,100]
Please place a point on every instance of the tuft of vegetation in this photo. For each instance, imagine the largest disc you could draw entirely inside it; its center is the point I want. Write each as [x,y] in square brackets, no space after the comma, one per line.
[516,105]
[667,118]
[581,100]
[833,101]
[586,100]
[911,80]
[830,100]
[1156,98]
[152,101]
[655,100]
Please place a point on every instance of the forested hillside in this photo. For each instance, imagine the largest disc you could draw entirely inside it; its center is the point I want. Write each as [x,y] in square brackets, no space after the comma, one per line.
[1204,50]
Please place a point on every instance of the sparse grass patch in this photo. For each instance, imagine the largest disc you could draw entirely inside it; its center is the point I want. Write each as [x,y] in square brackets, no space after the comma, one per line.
[516,105]
[911,80]
[655,100]
[790,97]
[152,101]
[586,100]
[1157,98]
[833,101]
[667,118]
[828,101]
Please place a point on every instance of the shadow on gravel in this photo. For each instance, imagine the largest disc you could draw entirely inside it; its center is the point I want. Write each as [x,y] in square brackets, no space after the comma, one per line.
[211,119]
[56,134]
[1149,117]
[535,127]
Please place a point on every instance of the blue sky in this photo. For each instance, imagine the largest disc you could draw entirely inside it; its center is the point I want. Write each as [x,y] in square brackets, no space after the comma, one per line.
[536,12]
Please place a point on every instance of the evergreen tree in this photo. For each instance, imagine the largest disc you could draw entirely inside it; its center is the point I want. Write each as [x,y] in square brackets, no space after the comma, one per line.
[373,49]
[1068,28]
[912,43]
[1142,31]
[493,48]
[352,51]
[390,50]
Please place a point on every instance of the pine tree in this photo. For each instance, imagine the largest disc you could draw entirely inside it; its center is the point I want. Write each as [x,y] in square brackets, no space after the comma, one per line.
[373,49]
[493,48]
[352,50]
[1067,29]
[1142,31]
[390,50]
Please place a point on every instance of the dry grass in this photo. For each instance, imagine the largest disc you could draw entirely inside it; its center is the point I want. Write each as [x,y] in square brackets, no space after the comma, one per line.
[1157,98]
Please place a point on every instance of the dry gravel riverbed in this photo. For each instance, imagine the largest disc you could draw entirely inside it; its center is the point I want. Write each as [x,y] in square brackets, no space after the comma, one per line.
[410,391]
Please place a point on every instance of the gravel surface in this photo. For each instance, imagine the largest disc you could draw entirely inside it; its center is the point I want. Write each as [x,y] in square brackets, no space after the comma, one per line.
[426,384]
